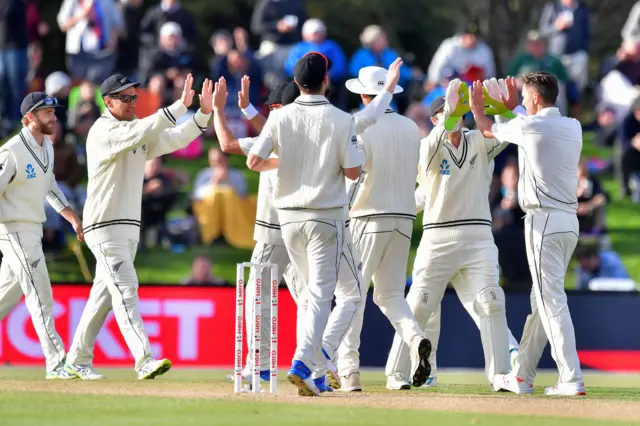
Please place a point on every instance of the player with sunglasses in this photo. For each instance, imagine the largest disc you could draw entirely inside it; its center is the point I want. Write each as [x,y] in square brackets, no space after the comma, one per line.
[26,180]
[118,146]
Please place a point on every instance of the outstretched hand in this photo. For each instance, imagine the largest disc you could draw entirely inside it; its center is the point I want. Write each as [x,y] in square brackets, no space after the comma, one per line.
[243,94]
[393,76]
[206,97]
[511,100]
[476,98]
[220,95]
[187,92]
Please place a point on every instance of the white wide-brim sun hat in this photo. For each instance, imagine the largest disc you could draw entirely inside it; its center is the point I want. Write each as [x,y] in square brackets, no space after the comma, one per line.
[370,81]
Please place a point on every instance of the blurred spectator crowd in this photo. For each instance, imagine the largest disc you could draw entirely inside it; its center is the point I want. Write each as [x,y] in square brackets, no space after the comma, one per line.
[156,46]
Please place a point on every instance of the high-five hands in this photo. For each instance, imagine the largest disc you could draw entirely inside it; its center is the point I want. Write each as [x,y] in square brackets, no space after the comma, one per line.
[187,92]
[456,103]
[220,95]
[501,96]
[393,75]
[243,94]
[206,97]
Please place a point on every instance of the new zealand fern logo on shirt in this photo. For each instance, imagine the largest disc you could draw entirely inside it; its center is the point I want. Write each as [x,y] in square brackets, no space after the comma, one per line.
[444,168]
[31,172]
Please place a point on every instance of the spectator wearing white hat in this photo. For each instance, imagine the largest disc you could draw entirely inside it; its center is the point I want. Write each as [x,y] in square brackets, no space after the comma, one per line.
[93,28]
[58,84]
[173,62]
[314,39]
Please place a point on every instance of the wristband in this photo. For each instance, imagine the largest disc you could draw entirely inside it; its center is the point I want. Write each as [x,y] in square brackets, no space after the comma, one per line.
[519,110]
[249,112]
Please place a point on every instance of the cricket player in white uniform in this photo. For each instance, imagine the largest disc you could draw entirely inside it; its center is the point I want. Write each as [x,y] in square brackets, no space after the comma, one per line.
[549,147]
[457,245]
[382,214]
[26,180]
[269,244]
[317,147]
[118,146]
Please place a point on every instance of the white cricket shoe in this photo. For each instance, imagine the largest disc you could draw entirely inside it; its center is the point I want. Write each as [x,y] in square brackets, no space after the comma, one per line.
[566,389]
[153,368]
[420,367]
[351,383]
[398,382]
[431,382]
[512,383]
[332,372]
[84,372]
[59,374]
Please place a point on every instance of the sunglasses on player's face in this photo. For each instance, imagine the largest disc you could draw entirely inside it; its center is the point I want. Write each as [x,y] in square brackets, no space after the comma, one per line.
[127,99]
[45,103]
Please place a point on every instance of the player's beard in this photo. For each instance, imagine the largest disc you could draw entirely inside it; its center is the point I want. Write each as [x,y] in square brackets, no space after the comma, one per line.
[46,128]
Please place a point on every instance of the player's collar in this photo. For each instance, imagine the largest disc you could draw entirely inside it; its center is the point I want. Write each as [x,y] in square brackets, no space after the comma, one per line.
[549,111]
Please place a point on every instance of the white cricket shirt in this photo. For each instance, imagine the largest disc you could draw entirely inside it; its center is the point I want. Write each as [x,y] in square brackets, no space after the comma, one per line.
[267,227]
[387,184]
[116,155]
[454,187]
[26,180]
[314,141]
[549,148]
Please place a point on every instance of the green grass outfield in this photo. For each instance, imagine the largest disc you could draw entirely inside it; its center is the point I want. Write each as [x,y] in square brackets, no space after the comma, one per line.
[160,266]
[194,397]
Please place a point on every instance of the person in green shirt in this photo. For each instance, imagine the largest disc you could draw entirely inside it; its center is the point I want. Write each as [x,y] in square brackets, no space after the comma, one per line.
[536,58]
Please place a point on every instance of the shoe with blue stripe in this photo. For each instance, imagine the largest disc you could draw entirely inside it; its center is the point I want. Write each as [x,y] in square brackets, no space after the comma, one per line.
[321,383]
[300,376]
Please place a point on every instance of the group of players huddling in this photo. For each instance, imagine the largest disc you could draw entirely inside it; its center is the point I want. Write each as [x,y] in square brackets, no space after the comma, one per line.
[336,206]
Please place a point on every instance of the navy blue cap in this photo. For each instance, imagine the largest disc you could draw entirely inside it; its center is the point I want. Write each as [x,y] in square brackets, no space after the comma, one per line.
[311,70]
[37,100]
[115,84]
[436,106]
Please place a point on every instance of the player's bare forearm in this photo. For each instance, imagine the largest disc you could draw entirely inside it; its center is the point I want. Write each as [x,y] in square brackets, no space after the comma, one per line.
[258,164]
[483,123]
[258,122]
[228,141]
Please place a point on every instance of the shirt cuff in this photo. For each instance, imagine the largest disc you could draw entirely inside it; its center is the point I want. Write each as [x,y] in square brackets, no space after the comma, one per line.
[249,112]
[172,112]
[202,120]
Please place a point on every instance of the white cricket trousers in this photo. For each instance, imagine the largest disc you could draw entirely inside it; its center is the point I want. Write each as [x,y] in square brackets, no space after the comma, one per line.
[24,271]
[551,238]
[262,253]
[115,287]
[350,296]
[384,243]
[315,249]
[471,266]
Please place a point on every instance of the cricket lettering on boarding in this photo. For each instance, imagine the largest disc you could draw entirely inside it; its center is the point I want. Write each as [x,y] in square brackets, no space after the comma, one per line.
[180,322]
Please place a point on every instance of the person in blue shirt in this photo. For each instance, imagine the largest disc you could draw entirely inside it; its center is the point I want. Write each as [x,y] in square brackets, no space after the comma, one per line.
[314,39]
[597,264]
[375,51]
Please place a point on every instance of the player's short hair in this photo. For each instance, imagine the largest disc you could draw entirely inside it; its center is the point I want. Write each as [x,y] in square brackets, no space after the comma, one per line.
[544,84]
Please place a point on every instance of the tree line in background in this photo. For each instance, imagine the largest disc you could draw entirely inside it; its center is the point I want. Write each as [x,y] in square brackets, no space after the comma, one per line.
[415,27]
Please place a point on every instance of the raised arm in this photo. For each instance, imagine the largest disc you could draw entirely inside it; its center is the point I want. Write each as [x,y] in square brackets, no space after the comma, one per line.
[503,132]
[181,136]
[377,107]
